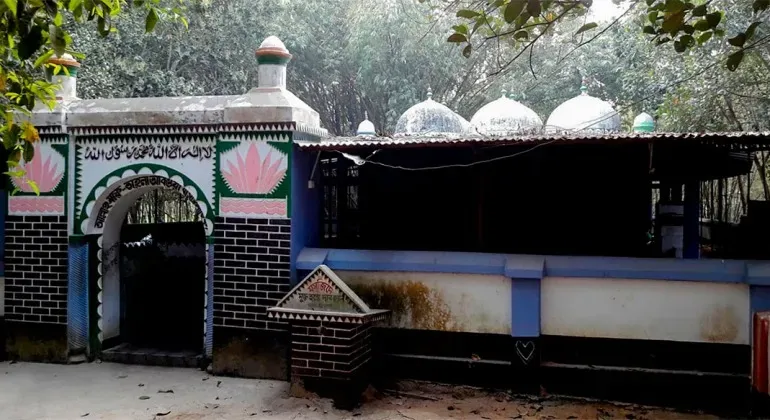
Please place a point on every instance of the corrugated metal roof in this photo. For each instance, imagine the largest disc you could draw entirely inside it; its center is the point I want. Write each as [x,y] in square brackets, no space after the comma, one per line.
[334,143]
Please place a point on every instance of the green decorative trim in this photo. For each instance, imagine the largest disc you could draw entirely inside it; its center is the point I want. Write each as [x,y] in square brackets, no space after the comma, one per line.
[268,136]
[94,278]
[77,190]
[77,239]
[72,70]
[81,212]
[645,127]
[218,181]
[280,60]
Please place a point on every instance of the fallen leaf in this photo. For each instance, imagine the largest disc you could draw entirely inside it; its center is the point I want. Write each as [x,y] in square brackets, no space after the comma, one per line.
[122,376]
[163,414]
[144,397]
[85,415]
[219,383]
[165,391]
[140,385]
[205,379]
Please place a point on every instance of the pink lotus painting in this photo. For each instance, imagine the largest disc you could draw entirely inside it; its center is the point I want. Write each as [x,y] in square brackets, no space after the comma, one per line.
[254,168]
[46,170]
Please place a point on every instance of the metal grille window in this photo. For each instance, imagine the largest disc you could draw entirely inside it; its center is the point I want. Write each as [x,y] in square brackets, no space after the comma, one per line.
[340,209]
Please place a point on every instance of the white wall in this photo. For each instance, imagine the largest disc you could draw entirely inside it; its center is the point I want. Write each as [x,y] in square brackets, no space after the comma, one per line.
[438,301]
[646,309]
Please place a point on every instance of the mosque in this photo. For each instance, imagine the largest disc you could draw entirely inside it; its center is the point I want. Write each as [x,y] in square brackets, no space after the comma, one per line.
[566,256]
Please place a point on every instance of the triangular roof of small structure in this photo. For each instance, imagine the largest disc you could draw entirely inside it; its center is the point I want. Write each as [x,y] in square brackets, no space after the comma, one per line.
[322,290]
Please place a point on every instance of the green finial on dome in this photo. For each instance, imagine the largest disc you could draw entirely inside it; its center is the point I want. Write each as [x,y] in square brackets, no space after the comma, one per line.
[430,93]
[644,123]
[584,86]
[505,93]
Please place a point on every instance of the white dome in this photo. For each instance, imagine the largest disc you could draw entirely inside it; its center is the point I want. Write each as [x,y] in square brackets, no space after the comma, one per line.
[505,116]
[584,113]
[430,117]
[366,128]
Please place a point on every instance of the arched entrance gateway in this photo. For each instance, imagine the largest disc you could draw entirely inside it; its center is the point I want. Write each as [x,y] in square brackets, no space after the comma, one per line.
[152,279]
[89,274]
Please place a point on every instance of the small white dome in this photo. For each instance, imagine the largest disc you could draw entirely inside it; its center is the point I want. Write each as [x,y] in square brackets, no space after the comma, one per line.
[273,42]
[430,117]
[644,123]
[366,128]
[504,116]
[584,113]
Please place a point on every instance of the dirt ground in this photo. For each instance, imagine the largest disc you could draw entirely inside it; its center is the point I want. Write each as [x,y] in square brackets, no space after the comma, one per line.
[109,391]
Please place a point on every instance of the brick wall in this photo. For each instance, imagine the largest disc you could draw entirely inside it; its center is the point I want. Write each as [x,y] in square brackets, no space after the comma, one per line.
[251,271]
[36,269]
[329,350]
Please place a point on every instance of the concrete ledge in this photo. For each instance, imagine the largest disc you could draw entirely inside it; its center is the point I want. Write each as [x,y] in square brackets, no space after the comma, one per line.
[538,266]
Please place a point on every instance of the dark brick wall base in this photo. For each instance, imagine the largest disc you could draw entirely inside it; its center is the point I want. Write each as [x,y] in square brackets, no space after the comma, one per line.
[331,359]
[251,274]
[330,350]
[36,342]
[251,271]
[246,353]
[36,269]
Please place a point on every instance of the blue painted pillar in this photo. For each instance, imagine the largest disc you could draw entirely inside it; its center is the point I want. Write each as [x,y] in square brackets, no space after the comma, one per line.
[305,204]
[525,307]
[692,220]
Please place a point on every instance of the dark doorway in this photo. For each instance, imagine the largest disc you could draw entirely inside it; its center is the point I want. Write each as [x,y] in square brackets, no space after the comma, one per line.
[162,285]
[162,268]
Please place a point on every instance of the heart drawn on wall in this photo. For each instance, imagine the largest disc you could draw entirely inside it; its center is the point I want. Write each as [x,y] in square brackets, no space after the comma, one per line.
[525,350]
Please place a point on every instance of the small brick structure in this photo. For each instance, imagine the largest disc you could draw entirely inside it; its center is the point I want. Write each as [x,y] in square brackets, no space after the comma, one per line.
[331,336]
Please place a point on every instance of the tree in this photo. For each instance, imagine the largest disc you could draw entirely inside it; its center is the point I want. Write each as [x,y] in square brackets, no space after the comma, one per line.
[522,23]
[33,32]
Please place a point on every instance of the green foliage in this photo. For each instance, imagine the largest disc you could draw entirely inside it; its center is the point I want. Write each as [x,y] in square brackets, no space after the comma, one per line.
[33,31]
[683,24]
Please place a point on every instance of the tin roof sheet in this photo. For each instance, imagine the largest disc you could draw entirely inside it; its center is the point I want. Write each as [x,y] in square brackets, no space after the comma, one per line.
[334,143]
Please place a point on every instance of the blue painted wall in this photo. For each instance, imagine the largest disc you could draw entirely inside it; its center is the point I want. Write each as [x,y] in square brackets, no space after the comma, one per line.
[305,206]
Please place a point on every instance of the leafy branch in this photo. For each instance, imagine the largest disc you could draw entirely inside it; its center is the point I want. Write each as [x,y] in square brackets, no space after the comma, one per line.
[680,23]
[33,33]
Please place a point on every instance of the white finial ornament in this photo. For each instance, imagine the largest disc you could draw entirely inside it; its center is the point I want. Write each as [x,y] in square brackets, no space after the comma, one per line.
[272,58]
[366,128]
